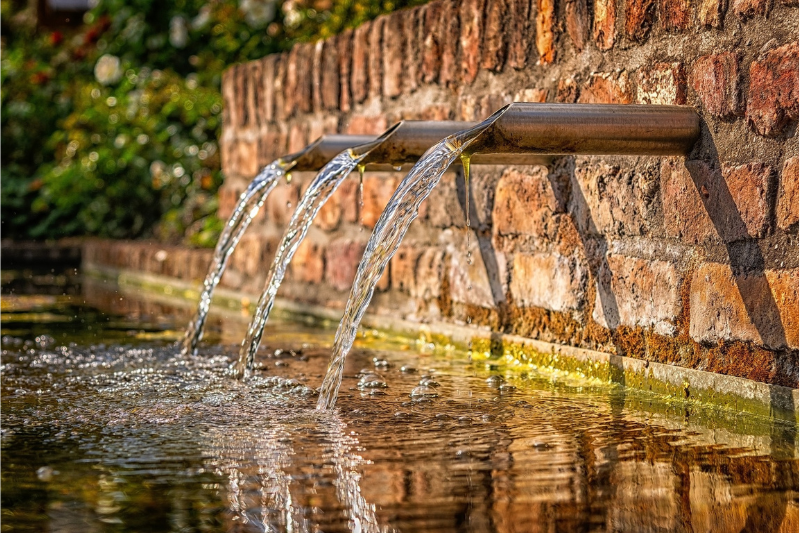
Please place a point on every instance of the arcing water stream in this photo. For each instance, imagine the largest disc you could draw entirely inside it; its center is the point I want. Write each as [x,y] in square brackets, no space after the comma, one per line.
[392,226]
[250,202]
[320,190]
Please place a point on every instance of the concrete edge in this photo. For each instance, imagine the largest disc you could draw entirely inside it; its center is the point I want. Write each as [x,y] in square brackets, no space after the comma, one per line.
[738,394]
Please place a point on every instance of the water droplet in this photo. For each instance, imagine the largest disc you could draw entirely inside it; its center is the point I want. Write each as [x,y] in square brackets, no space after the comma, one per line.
[424,391]
[288,205]
[380,363]
[372,380]
[288,177]
[427,381]
[495,381]
[407,369]
[398,168]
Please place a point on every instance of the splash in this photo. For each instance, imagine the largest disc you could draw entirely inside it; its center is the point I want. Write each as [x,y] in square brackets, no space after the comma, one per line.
[250,202]
[392,226]
[323,186]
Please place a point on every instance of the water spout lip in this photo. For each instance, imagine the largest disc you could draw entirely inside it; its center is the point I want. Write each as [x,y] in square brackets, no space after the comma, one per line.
[363,150]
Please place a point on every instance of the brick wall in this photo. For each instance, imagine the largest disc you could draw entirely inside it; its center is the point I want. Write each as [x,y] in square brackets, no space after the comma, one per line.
[692,262]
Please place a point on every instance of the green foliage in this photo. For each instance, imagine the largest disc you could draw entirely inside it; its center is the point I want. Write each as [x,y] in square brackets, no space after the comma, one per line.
[111,130]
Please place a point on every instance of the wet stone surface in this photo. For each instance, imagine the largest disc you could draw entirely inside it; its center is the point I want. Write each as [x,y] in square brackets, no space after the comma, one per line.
[110,429]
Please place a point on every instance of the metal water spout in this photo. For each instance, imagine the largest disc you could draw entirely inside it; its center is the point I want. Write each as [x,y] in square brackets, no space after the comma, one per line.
[530,133]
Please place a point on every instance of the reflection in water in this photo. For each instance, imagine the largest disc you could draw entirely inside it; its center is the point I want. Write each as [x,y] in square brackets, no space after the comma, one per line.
[116,432]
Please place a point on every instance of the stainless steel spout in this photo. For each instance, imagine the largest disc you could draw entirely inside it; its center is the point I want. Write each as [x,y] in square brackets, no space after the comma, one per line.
[528,133]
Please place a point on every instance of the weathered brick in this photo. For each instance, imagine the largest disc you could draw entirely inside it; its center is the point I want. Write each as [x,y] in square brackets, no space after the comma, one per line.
[268,88]
[393,72]
[298,137]
[327,124]
[412,53]
[490,103]
[662,84]
[471,17]
[531,95]
[282,202]
[639,15]
[273,144]
[431,46]
[715,80]
[494,36]
[342,257]
[549,281]
[635,292]
[520,30]
[605,22]
[344,50]
[308,264]
[711,13]
[702,204]
[525,203]
[428,276]
[607,88]
[359,78]
[450,36]
[298,79]
[676,15]
[255,101]
[246,158]
[316,76]
[403,266]
[759,307]
[366,125]
[545,30]
[442,208]
[745,9]
[577,22]
[228,89]
[329,84]
[773,95]
[567,91]
[788,197]
[378,189]
[607,201]
[473,280]
[280,86]
[376,56]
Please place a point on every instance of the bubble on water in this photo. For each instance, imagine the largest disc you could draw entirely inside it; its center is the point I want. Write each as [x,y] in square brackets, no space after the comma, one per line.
[424,391]
[44,341]
[372,380]
[407,369]
[505,387]
[428,381]
[495,381]
[45,473]
[380,363]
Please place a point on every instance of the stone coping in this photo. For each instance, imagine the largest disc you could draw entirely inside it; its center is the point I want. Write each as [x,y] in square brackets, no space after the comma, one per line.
[692,387]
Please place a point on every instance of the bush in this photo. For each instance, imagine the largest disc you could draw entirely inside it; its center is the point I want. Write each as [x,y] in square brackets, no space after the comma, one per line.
[111,130]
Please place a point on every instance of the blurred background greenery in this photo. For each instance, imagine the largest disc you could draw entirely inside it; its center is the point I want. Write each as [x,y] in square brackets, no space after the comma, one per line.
[110,127]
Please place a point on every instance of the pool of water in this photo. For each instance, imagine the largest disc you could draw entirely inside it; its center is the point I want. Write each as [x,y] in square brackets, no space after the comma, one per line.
[106,428]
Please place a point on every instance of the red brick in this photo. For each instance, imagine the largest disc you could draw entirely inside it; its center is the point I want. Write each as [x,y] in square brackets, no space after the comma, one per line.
[228,98]
[711,13]
[494,36]
[256,102]
[268,88]
[431,46]
[442,209]
[280,86]
[246,157]
[298,137]
[676,15]
[316,76]
[578,23]
[567,91]
[531,95]
[308,264]
[393,37]
[607,88]
[472,280]
[378,189]
[639,16]
[359,78]
[450,33]
[412,43]
[787,196]
[662,84]
[545,30]
[329,85]
[549,281]
[318,127]
[605,22]
[520,30]
[757,307]
[363,125]
[282,202]
[428,276]
[471,17]
[342,258]
[525,203]
[745,9]
[376,56]
[298,79]
[344,50]
[702,204]
[772,99]
[403,266]
[492,102]
[643,294]
[273,144]
[715,80]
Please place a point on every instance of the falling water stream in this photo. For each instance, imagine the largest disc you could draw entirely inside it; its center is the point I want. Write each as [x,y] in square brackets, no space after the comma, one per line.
[389,231]
[324,185]
[246,209]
